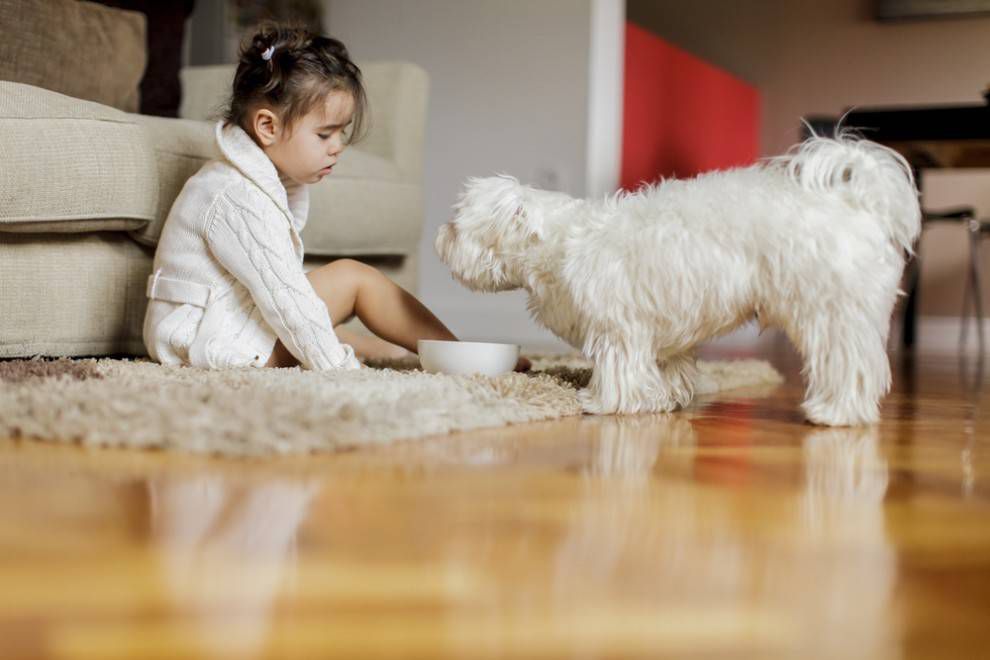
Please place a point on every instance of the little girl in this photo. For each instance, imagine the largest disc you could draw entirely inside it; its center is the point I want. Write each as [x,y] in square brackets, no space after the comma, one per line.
[228,287]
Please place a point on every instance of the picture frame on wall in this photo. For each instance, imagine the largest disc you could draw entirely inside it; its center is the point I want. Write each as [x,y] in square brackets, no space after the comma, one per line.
[899,10]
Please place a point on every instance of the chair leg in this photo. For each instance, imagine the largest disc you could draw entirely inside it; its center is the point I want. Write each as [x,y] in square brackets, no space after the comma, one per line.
[977,294]
[972,291]
[967,293]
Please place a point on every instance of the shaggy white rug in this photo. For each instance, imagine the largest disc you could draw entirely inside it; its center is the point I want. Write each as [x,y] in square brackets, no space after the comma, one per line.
[137,403]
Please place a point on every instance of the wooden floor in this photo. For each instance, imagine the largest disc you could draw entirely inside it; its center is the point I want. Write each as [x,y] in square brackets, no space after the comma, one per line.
[731,530]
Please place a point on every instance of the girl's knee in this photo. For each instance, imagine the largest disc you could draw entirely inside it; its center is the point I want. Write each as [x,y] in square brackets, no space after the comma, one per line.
[352,269]
[343,285]
[349,272]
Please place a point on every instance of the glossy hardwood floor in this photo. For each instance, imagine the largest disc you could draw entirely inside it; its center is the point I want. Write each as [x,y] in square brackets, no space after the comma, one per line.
[730,530]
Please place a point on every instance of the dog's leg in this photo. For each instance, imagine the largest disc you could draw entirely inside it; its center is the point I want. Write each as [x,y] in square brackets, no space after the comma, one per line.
[846,366]
[680,373]
[627,379]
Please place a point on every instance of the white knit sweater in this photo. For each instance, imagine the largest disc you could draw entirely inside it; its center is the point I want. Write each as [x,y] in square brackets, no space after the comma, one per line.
[228,275]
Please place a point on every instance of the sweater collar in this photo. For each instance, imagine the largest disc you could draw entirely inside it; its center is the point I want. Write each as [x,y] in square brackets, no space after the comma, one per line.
[244,154]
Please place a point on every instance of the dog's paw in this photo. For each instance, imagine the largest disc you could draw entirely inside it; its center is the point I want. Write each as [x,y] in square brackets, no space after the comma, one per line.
[664,404]
[591,404]
[830,409]
[837,416]
[628,405]
[669,400]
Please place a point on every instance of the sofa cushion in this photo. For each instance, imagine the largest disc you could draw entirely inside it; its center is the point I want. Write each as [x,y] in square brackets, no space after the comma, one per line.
[205,91]
[71,165]
[78,294]
[363,216]
[181,147]
[366,207]
[81,49]
[355,163]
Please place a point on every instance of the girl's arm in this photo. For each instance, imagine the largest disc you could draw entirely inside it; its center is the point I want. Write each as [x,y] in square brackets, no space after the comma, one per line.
[257,249]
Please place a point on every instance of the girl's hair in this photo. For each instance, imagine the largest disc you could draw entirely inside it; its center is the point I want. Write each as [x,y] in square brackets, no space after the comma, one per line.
[301,69]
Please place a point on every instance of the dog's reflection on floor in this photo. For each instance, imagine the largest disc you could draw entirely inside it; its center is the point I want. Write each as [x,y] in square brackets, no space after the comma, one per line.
[650,532]
[849,573]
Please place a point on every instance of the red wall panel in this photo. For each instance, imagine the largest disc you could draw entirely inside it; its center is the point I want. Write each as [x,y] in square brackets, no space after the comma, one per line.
[682,115]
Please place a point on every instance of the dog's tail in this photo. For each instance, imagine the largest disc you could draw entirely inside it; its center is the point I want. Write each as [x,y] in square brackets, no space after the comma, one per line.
[866,174]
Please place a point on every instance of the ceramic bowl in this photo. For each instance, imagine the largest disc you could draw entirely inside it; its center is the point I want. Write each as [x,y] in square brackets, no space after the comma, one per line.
[467,357]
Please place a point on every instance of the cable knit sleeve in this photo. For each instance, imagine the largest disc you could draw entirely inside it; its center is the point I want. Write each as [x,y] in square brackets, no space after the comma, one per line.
[256,247]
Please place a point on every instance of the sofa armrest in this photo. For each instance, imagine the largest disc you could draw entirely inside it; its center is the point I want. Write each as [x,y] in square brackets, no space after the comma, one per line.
[397,97]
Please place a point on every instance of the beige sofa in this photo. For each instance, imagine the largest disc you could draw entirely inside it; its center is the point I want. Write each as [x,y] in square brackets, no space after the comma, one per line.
[85,189]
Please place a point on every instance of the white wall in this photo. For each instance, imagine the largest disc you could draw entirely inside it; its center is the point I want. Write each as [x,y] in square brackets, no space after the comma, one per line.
[509,93]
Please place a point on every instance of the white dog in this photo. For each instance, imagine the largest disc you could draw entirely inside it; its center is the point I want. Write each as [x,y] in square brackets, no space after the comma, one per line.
[812,242]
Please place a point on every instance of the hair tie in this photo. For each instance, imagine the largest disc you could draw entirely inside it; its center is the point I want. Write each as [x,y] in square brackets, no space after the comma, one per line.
[267,55]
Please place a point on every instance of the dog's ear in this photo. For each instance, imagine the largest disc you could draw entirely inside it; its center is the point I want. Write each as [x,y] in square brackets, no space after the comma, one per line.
[499,200]
[539,210]
[507,197]
[509,206]
[490,198]
[525,214]
[529,222]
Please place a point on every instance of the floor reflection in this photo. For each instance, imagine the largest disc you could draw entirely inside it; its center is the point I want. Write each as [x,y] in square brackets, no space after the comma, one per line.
[846,585]
[225,551]
[678,565]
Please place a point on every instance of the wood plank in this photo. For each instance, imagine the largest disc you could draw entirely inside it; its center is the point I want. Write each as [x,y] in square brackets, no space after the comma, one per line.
[732,529]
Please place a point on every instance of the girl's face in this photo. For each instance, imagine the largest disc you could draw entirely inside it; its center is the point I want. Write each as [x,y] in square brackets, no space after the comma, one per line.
[308,150]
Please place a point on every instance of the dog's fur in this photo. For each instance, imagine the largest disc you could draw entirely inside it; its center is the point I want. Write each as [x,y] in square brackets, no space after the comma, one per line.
[812,242]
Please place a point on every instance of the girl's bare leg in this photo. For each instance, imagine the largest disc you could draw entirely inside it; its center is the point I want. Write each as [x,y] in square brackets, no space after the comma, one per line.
[348,287]
[370,345]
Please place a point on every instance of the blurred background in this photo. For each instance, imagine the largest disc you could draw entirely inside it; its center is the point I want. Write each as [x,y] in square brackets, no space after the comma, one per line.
[586,96]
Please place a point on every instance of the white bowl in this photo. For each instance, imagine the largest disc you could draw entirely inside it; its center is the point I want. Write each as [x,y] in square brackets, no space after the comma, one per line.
[467,357]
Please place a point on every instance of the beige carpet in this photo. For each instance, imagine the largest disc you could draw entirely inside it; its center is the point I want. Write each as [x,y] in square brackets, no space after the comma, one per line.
[136,403]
